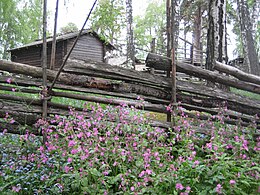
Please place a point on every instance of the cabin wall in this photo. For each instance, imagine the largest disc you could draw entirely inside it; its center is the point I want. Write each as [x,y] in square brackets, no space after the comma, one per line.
[33,55]
[30,55]
[87,48]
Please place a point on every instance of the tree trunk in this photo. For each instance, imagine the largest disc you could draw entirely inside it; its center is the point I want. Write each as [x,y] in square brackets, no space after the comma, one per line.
[211,53]
[168,27]
[130,35]
[197,36]
[247,38]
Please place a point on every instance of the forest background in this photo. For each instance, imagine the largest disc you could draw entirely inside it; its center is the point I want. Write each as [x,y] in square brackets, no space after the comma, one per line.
[21,22]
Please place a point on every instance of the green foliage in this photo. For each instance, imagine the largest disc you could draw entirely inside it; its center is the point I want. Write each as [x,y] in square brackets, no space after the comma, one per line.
[151,25]
[108,19]
[69,28]
[20,23]
[92,155]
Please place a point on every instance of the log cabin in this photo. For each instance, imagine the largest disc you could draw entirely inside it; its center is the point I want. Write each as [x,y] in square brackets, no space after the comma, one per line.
[90,47]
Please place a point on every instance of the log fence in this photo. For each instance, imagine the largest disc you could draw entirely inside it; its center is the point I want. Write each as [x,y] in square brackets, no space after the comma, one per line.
[102,83]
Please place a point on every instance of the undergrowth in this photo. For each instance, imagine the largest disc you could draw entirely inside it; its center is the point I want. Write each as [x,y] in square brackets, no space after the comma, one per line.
[115,151]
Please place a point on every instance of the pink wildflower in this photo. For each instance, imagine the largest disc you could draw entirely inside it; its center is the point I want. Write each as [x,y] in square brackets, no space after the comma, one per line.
[188,188]
[105,173]
[142,174]
[149,172]
[146,179]
[218,189]
[9,80]
[132,188]
[74,151]
[232,182]
[209,145]
[5,131]
[16,188]
[80,135]
[69,160]
[66,168]
[179,186]
[72,143]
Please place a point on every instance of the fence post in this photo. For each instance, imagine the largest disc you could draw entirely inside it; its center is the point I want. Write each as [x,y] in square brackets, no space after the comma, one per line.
[44,68]
[191,54]
[153,51]
[201,55]
[53,48]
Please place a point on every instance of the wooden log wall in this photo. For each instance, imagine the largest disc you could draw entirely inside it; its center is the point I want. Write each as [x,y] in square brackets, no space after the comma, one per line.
[94,81]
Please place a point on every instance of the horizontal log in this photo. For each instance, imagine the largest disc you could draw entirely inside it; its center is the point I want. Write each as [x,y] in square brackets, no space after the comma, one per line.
[181,97]
[85,81]
[198,103]
[31,101]
[113,72]
[164,63]
[226,119]
[204,96]
[216,112]
[237,73]
[149,107]
[236,103]
[232,101]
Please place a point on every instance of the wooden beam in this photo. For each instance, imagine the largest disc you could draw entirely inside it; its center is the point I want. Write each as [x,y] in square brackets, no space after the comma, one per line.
[243,76]
[163,63]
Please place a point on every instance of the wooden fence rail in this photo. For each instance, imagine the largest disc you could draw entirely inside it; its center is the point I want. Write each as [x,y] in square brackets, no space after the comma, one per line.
[102,83]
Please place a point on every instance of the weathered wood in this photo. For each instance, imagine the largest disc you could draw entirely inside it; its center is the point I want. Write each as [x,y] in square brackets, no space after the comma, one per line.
[244,105]
[212,111]
[111,101]
[243,76]
[85,81]
[149,107]
[252,107]
[131,76]
[232,101]
[31,101]
[131,90]
[163,63]
[113,72]
[226,119]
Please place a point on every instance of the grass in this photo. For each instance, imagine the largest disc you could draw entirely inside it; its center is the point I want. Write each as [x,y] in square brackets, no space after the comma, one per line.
[246,93]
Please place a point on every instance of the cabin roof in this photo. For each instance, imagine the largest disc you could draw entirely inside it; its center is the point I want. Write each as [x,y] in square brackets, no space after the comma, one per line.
[66,37]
